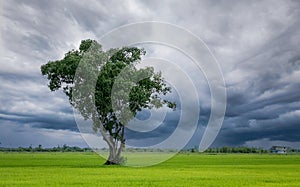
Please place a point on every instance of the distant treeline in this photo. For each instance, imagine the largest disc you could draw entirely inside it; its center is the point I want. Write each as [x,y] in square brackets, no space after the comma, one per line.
[66,148]
[226,149]
[243,149]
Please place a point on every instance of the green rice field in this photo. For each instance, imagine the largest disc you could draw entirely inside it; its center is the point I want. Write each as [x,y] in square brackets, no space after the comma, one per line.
[87,169]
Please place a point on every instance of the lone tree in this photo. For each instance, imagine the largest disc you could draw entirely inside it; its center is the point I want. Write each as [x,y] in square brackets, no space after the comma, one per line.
[107,88]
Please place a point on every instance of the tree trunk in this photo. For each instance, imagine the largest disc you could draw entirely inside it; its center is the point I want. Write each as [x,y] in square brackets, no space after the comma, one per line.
[114,157]
[115,151]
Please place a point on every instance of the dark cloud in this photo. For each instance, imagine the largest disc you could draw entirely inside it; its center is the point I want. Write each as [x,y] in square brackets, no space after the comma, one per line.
[159,134]
[282,128]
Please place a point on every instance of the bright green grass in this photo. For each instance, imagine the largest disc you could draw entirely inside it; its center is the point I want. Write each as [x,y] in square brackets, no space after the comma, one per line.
[86,169]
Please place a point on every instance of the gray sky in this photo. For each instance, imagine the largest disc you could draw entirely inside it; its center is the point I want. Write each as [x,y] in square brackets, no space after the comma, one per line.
[255,42]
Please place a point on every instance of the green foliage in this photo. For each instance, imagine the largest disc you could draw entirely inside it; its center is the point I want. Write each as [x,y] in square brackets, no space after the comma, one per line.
[145,94]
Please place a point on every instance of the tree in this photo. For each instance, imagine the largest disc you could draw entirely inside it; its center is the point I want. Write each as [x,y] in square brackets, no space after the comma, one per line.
[107,88]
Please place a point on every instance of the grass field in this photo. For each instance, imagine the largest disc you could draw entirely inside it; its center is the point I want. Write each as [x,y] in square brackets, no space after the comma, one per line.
[87,169]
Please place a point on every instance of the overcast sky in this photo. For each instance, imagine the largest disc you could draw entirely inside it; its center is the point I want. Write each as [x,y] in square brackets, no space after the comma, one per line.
[255,42]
